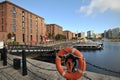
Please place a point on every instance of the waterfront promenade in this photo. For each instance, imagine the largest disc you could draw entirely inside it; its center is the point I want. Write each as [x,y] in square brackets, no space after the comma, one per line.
[39,70]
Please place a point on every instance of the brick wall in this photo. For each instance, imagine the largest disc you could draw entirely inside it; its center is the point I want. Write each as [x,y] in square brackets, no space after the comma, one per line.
[21,26]
[68,34]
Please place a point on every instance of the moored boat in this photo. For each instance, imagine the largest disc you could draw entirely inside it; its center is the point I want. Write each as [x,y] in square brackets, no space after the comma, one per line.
[89,46]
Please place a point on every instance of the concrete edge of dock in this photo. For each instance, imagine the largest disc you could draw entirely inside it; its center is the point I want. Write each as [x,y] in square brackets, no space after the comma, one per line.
[39,70]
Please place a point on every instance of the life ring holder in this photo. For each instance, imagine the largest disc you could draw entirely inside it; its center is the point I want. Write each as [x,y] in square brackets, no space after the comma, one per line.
[81,63]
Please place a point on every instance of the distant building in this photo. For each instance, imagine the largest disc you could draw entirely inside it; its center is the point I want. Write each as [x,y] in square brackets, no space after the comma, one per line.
[81,35]
[105,34]
[53,30]
[21,23]
[68,34]
[109,33]
[115,32]
[73,35]
[97,36]
[90,34]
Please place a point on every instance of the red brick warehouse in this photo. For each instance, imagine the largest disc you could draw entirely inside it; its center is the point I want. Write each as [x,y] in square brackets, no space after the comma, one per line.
[21,23]
[54,29]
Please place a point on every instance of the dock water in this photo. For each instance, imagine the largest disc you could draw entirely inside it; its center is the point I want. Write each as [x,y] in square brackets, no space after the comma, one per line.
[39,70]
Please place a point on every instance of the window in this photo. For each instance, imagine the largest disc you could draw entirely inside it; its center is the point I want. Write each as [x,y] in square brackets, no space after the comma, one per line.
[23,37]
[23,18]
[13,12]
[13,9]
[36,31]
[2,21]
[30,30]
[13,25]
[23,27]
[13,28]
[36,20]
[30,25]
[13,22]
[23,30]
[30,15]
[2,11]
[2,28]
[23,24]
[36,25]
[23,14]
[30,37]
[31,21]
[13,15]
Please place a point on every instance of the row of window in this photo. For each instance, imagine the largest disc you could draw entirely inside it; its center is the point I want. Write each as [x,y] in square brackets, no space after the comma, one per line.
[2,14]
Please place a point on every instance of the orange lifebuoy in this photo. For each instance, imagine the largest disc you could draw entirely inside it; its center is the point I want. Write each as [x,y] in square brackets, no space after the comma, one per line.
[81,64]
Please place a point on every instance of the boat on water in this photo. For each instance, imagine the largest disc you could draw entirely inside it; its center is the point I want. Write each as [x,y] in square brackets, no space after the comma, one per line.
[89,46]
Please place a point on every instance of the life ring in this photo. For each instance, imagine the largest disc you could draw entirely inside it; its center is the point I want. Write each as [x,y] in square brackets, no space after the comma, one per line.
[81,64]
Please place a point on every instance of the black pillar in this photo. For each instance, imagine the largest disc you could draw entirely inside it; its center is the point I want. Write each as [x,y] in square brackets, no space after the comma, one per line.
[4,55]
[24,65]
[1,51]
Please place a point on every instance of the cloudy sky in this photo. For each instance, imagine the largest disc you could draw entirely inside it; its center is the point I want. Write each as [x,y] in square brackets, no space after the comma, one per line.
[76,15]
[100,6]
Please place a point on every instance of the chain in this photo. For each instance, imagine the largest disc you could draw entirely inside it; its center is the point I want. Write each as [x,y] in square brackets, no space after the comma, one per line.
[31,72]
[109,70]
[85,75]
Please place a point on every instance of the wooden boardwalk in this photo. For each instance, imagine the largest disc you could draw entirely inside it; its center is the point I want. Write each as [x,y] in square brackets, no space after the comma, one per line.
[38,70]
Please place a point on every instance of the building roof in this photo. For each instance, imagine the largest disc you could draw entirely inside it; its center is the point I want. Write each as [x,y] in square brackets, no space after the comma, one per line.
[54,24]
[66,31]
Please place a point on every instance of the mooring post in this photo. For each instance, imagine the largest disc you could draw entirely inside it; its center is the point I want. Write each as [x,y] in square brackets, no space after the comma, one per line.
[1,51]
[4,56]
[24,65]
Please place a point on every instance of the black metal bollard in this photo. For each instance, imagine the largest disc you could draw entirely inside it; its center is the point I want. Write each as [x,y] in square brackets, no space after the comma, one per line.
[24,65]
[4,55]
[16,63]
[1,51]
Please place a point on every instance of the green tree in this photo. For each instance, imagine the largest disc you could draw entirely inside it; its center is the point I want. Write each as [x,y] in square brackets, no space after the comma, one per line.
[60,37]
[53,35]
[49,35]
[9,35]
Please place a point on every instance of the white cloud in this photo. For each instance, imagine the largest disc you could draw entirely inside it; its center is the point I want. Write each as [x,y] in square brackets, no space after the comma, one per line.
[101,6]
